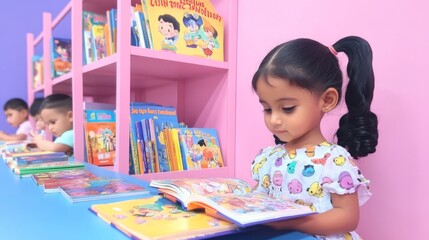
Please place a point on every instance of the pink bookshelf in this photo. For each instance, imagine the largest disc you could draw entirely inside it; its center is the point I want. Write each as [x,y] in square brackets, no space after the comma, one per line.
[202,90]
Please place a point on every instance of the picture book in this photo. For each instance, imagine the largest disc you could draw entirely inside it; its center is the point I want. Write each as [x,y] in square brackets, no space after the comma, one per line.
[234,203]
[100,188]
[51,181]
[37,66]
[162,117]
[9,157]
[98,42]
[157,218]
[27,170]
[100,136]
[200,148]
[61,56]
[89,20]
[186,27]
[40,158]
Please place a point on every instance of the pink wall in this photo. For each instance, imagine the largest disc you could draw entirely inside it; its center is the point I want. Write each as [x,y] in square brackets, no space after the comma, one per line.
[399,34]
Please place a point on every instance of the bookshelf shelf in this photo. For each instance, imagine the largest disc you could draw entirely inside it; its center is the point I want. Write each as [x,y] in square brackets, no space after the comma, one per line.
[202,90]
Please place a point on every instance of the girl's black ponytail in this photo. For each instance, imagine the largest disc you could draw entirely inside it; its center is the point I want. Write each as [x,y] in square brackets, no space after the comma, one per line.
[358,128]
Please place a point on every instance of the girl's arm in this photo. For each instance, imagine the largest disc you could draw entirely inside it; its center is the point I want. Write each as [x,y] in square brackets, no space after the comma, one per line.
[344,217]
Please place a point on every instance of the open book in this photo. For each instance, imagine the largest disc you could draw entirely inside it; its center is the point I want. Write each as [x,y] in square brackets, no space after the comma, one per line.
[153,217]
[229,199]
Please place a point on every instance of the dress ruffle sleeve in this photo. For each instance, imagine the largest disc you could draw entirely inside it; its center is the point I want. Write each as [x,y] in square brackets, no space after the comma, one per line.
[342,176]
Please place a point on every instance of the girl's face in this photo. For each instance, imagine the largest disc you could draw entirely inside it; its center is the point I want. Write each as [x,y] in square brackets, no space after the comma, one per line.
[291,113]
[57,121]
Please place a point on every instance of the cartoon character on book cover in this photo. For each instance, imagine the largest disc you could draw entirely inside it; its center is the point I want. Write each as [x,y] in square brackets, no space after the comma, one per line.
[192,28]
[200,148]
[158,218]
[61,56]
[100,134]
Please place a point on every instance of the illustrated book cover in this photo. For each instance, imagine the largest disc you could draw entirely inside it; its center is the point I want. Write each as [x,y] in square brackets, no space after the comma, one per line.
[100,136]
[200,148]
[158,218]
[230,200]
[100,188]
[37,67]
[40,158]
[61,56]
[186,27]
[91,21]
[51,181]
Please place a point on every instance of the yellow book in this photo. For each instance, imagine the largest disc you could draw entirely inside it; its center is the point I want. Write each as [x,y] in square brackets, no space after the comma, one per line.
[158,218]
[186,27]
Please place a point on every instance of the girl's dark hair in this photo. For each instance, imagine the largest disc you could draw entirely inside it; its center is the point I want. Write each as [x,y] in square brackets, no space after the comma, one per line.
[58,101]
[35,106]
[309,64]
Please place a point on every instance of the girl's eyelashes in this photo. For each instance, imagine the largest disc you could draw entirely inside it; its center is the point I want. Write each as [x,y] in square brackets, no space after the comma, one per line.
[267,110]
[288,109]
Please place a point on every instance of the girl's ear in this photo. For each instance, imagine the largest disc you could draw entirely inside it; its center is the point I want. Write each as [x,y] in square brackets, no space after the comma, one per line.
[329,99]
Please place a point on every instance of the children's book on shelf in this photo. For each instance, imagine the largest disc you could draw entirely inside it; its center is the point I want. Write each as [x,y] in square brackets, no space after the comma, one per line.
[157,218]
[37,66]
[61,56]
[148,148]
[91,22]
[192,28]
[200,148]
[229,199]
[100,137]
[28,170]
[100,188]
[98,38]
[51,181]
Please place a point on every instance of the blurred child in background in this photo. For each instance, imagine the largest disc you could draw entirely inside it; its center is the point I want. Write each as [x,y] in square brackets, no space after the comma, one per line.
[16,111]
[39,127]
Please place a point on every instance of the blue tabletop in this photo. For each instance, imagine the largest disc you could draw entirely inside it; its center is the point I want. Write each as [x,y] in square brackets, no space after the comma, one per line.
[26,212]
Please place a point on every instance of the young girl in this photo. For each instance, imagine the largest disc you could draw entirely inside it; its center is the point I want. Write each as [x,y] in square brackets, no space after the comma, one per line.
[297,83]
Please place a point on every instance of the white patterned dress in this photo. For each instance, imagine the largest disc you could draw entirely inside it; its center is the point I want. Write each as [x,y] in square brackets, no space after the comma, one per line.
[308,176]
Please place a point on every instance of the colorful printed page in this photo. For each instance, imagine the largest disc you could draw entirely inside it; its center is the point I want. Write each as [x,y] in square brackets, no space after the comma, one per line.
[249,209]
[40,178]
[155,218]
[41,158]
[51,181]
[200,148]
[197,29]
[100,188]
[183,189]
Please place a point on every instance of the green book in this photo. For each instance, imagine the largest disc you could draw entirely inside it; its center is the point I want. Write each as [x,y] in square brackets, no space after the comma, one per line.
[27,170]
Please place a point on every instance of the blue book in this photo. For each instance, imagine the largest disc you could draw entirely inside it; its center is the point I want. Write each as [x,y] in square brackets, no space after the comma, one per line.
[163,117]
[42,158]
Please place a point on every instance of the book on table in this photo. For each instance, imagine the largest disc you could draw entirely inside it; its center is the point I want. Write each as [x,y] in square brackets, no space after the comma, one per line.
[28,170]
[154,217]
[100,188]
[38,158]
[52,181]
[229,199]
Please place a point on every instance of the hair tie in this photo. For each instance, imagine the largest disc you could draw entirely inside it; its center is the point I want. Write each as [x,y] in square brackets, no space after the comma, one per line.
[333,51]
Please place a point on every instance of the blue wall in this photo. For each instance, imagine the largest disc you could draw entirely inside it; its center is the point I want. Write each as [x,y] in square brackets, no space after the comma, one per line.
[17,18]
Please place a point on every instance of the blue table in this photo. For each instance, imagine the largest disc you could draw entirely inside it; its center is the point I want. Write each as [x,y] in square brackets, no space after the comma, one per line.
[28,213]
